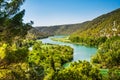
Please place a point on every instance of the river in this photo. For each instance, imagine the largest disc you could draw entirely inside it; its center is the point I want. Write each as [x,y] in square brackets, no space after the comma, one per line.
[80,52]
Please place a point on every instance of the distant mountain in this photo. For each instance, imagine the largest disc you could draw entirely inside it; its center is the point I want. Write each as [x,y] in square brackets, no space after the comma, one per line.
[60,29]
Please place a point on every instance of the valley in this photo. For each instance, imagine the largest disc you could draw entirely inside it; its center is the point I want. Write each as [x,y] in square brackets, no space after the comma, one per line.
[88,50]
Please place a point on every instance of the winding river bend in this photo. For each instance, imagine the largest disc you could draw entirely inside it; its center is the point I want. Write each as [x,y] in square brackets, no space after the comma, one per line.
[80,52]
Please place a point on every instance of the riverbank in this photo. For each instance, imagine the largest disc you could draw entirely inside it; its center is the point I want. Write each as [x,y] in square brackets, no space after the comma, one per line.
[66,40]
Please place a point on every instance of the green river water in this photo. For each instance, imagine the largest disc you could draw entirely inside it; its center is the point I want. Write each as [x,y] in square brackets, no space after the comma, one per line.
[80,52]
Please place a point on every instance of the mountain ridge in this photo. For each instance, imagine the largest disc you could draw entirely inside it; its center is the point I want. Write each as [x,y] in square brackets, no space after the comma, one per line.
[104,26]
[79,28]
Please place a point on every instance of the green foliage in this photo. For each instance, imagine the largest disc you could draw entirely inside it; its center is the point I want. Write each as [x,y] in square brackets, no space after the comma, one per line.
[51,57]
[3,51]
[13,49]
[34,34]
[16,55]
[12,27]
[79,71]
[15,66]
[14,71]
[9,7]
[12,54]
[108,54]
[114,74]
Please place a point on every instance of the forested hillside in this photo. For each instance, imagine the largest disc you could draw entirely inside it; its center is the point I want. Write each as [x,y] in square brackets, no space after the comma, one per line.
[99,29]
[34,33]
[61,29]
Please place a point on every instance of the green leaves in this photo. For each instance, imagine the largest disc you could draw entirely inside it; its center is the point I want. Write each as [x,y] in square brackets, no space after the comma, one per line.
[17,19]
[11,21]
[81,70]
[51,57]
[108,53]
[10,7]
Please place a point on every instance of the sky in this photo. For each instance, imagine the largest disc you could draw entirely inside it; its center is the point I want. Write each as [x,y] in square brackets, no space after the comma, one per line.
[58,12]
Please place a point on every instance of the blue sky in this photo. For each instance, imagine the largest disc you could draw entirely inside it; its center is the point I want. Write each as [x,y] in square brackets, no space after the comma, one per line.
[56,12]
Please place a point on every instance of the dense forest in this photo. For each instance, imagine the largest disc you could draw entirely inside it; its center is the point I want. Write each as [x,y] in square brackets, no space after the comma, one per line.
[34,33]
[22,57]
